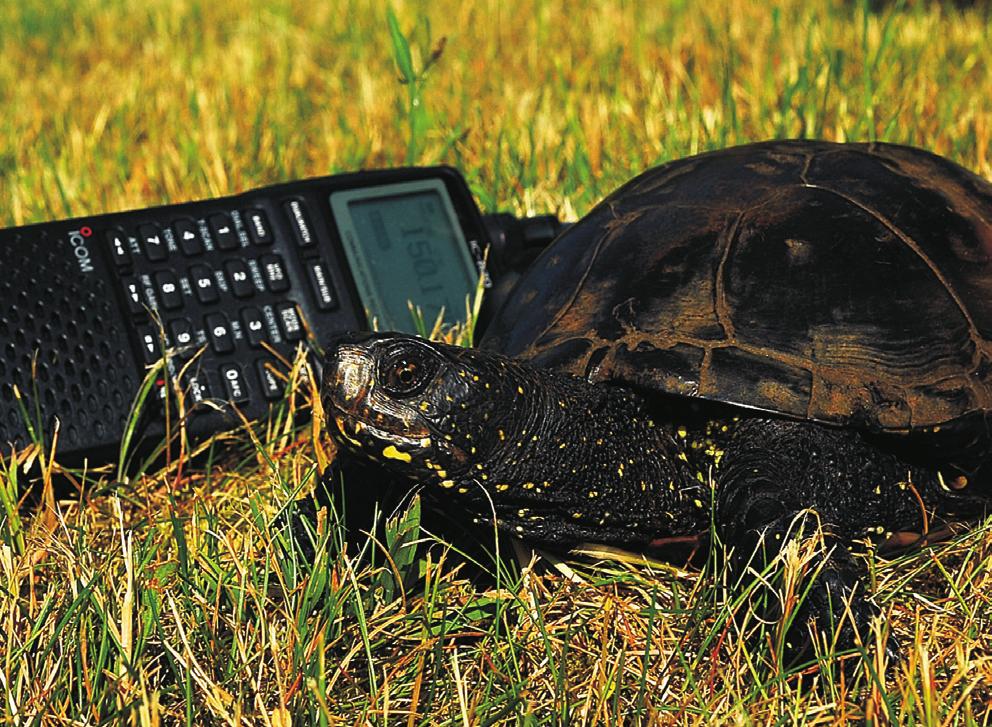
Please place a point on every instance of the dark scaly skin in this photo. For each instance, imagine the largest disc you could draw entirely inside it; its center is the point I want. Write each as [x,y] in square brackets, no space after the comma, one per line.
[558,461]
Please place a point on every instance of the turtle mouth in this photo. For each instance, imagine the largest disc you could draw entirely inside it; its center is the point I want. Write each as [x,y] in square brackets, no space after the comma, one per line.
[352,426]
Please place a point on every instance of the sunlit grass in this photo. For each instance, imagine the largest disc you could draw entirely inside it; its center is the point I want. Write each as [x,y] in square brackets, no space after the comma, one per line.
[174,593]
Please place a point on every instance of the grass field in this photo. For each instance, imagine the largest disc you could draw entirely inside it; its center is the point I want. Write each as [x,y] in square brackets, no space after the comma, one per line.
[174,595]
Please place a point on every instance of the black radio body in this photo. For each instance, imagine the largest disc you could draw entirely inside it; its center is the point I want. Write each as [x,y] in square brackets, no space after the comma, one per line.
[229,286]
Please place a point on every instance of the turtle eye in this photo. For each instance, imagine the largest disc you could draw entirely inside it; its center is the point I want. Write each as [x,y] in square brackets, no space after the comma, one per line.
[406,372]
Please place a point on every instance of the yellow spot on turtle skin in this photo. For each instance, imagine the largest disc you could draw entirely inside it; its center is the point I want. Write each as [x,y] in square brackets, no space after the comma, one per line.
[522,511]
[462,374]
[724,428]
[936,429]
[880,529]
[442,473]
[698,503]
[699,476]
[472,450]
[644,486]
[528,485]
[425,442]
[620,470]
[561,403]
[878,489]
[520,528]
[599,442]
[391,452]
[520,390]
[424,406]
[681,431]
[448,398]
[462,490]
[447,483]
[478,466]
[576,515]
[683,457]
[474,377]
[502,435]
[502,487]
[593,493]
[902,485]
[671,485]
[562,445]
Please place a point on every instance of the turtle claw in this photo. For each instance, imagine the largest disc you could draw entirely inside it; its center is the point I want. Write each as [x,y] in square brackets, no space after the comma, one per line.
[837,615]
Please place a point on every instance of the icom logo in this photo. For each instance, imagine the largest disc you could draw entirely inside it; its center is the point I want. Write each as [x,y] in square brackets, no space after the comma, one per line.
[77,238]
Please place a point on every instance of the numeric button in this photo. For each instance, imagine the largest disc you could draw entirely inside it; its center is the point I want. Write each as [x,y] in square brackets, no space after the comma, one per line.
[188,235]
[234,382]
[153,243]
[219,330]
[254,326]
[224,234]
[168,290]
[239,278]
[181,334]
[204,285]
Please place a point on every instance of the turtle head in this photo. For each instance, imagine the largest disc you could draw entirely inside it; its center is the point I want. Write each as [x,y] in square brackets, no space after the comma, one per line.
[420,408]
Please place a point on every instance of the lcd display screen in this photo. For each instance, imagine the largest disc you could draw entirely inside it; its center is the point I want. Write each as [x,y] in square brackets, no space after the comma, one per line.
[403,244]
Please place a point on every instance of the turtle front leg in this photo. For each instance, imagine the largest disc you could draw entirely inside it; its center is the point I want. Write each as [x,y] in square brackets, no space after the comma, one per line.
[784,481]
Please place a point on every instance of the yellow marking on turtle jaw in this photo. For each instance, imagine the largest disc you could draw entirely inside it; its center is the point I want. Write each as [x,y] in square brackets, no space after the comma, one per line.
[392,453]
[344,432]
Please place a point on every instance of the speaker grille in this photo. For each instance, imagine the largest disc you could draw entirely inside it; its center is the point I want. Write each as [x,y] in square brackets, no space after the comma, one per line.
[62,344]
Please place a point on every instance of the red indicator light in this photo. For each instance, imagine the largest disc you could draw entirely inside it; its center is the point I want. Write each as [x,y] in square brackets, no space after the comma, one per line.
[85,231]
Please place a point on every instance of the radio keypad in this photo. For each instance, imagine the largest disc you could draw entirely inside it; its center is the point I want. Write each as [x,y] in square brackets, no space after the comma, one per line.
[198,300]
